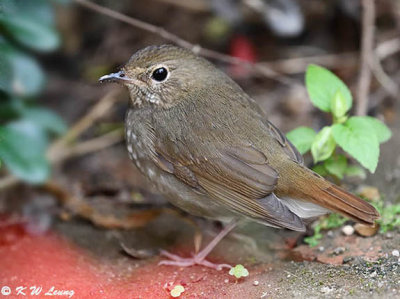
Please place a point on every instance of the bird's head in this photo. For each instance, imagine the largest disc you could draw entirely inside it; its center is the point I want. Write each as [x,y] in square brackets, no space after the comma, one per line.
[164,75]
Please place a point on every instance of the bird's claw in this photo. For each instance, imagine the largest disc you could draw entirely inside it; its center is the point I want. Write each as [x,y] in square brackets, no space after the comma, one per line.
[178,261]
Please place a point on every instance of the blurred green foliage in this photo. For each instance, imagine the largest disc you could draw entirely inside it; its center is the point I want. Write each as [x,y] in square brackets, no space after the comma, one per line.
[26,29]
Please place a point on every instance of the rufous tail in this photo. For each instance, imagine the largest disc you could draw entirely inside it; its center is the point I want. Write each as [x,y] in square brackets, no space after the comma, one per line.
[338,200]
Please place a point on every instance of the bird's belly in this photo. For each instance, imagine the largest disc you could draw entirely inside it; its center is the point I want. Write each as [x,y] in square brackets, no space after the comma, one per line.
[176,192]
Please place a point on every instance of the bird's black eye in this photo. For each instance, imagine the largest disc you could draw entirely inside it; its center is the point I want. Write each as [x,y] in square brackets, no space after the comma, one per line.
[160,74]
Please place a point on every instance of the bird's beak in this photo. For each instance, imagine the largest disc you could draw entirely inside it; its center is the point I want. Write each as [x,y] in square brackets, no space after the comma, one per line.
[119,77]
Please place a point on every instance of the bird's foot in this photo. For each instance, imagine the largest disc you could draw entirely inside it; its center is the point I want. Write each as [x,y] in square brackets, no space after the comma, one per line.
[175,260]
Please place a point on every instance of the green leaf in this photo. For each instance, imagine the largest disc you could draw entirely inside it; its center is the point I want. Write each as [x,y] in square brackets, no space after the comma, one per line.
[31,25]
[313,240]
[333,220]
[23,153]
[5,72]
[302,138]
[38,9]
[320,169]
[382,132]
[239,271]
[323,145]
[322,86]
[25,75]
[355,171]
[354,137]
[336,165]
[28,78]
[45,118]
[9,108]
[339,105]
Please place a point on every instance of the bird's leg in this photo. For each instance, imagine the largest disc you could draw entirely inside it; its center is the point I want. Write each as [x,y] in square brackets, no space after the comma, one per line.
[199,258]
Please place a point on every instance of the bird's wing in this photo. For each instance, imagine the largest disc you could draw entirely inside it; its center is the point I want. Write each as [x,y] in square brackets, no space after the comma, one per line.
[239,178]
[290,150]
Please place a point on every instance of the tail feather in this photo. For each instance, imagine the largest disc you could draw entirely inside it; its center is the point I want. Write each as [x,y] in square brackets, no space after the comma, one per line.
[343,202]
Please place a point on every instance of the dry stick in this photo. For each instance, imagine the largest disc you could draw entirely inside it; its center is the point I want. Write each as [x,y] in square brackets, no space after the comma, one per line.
[258,68]
[383,50]
[85,210]
[387,83]
[387,48]
[368,19]
[299,64]
[99,109]
[90,146]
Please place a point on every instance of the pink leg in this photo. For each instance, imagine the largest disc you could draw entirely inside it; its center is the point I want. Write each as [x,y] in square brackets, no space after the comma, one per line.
[199,258]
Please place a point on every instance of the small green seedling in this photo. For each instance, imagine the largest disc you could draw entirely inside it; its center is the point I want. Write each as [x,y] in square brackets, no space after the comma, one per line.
[239,271]
[328,222]
[177,291]
[390,216]
[358,136]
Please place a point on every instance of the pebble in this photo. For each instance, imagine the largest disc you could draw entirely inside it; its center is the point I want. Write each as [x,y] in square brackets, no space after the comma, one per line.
[226,280]
[389,236]
[256,283]
[395,252]
[321,248]
[373,274]
[348,259]
[339,250]
[348,230]
[326,290]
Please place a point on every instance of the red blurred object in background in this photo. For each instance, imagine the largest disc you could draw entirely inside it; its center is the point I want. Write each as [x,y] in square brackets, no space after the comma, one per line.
[241,47]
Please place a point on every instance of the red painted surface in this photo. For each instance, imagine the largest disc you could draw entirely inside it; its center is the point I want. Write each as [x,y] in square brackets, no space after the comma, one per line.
[48,261]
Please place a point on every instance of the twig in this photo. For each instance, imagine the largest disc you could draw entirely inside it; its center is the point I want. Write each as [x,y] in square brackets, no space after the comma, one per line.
[8,181]
[98,110]
[368,19]
[89,146]
[387,83]
[299,64]
[382,51]
[90,212]
[194,5]
[257,68]
[388,48]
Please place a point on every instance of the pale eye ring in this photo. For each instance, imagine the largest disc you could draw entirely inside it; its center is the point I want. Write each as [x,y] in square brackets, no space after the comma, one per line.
[160,74]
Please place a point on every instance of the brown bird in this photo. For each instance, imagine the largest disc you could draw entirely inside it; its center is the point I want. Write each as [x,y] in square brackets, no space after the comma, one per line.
[209,148]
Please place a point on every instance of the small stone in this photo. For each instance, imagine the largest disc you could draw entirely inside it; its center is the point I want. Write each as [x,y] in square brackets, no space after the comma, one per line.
[348,259]
[226,280]
[256,283]
[366,230]
[330,234]
[373,274]
[321,248]
[389,236]
[339,250]
[326,290]
[395,253]
[348,230]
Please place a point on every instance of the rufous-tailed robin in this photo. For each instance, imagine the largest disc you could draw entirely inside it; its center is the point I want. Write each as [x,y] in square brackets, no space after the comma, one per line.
[208,147]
